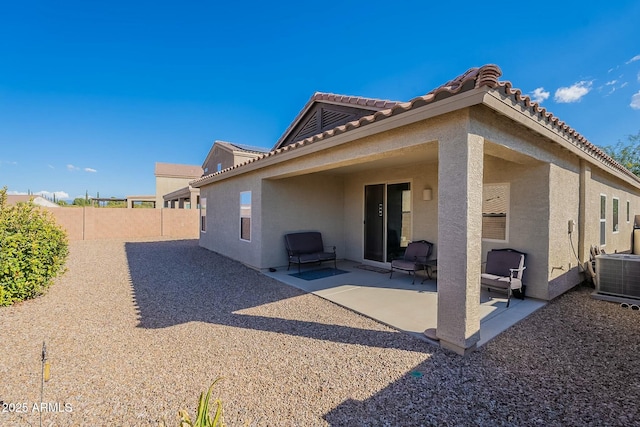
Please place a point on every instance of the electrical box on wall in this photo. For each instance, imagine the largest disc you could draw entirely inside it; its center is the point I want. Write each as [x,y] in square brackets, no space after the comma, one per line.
[571,226]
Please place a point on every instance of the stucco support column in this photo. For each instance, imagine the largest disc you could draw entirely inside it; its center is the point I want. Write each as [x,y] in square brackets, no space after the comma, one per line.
[460,171]
[194,198]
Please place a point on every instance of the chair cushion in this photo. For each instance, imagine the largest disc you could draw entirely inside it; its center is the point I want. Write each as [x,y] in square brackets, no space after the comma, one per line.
[401,264]
[494,281]
[499,262]
[324,256]
[302,258]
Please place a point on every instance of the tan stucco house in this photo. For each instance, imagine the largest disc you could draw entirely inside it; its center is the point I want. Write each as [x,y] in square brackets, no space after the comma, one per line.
[13,199]
[176,178]
[172,185]
[471,166]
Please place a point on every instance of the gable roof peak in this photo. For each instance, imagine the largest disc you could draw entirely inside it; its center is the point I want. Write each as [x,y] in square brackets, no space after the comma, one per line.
[357,101]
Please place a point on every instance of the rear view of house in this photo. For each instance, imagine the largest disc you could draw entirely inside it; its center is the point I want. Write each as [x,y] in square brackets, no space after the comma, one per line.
[471,166]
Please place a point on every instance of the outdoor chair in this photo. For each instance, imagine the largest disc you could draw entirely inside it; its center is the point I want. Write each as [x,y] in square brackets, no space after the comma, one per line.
[504,270]
[414,259]
[307,247]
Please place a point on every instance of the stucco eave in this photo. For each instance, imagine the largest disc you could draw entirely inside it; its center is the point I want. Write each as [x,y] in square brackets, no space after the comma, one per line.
[180,193]
[522,115]
[437,108]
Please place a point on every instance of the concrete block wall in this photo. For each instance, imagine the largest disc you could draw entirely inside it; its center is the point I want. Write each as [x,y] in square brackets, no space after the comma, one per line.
[90,223]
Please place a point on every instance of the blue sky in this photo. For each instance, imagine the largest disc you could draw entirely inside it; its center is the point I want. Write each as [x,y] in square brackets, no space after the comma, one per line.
[92,94]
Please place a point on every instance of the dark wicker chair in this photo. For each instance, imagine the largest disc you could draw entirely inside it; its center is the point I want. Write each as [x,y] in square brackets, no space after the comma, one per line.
[504,270]
[307,247]
[414,259]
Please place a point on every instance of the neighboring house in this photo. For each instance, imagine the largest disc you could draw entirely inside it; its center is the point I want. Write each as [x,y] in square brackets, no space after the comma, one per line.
[471,166]
[222,155]
[173,180]
[13,199]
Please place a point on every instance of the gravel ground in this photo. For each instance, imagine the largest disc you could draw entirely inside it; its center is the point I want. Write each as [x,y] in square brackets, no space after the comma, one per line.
[135,331]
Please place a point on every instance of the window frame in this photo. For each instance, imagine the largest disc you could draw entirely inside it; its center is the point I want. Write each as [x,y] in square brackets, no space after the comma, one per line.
[203,214]
[603,219]
[507,213]
[628,211]
[247,203]
[615,215]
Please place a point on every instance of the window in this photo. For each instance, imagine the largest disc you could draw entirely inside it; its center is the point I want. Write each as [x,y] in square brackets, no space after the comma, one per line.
[495,212]
[219,167]
[628,210]
[203,214]
[603,219]
[615,219]
[245,216]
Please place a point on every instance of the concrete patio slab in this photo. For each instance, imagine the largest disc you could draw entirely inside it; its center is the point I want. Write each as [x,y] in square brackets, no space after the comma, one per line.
[397,302]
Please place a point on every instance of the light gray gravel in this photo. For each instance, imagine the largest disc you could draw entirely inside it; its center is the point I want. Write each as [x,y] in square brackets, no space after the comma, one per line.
[135,331]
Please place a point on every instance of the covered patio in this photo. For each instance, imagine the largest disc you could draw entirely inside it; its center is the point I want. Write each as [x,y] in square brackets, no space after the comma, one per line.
[396,302]
[470,167]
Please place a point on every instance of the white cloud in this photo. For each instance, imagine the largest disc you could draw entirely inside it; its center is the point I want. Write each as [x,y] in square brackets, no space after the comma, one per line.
[573,93]
[635,101]
[49,194]
[539,95]
[46,194]
[626,83]
[612,82]
[51,167]
[634,59]
[72,168]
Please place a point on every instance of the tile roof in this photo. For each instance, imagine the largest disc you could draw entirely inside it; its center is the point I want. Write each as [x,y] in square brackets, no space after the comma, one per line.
[485,76]
[244,147]
[178,170]
[13,199]
[332,98]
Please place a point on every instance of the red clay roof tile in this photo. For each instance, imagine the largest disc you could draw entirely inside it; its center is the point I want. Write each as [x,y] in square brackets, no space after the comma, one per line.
[485,76]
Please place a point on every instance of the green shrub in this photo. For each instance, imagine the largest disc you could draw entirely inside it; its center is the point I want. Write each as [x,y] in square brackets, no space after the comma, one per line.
[33,250]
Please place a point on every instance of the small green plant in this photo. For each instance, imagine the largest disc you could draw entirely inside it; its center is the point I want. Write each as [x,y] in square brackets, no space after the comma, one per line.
[203,415]
[33,250]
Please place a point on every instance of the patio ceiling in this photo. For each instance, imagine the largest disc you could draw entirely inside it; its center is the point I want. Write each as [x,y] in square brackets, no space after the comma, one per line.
[426,153]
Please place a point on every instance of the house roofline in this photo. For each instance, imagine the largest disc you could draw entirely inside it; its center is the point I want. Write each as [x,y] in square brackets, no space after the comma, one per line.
[521,109]
[184,191]
[371,104]
[309,146]
[474,87]
[236,149]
